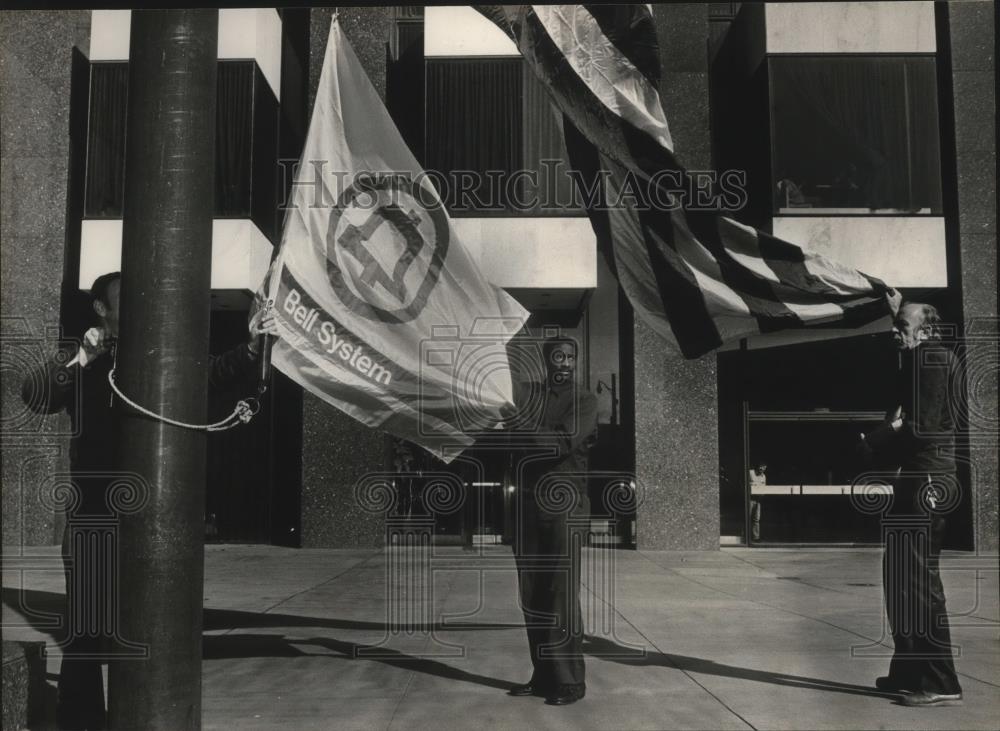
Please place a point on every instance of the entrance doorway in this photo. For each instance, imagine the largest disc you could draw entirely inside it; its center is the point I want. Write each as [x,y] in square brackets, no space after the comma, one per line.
[253,471]
[790,419]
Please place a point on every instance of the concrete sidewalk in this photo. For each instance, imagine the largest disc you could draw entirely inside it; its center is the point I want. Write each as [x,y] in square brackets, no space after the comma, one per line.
[764,639]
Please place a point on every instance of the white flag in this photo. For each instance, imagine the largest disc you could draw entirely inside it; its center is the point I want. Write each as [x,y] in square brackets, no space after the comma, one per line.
[380,309]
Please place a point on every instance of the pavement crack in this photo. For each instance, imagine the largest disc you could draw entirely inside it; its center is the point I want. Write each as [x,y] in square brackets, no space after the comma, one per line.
[324,582]
[684,672]
[822,587]
[763,604]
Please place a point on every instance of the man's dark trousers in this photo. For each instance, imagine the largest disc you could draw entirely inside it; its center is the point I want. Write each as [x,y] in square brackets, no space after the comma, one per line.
[548,550]
[914,594]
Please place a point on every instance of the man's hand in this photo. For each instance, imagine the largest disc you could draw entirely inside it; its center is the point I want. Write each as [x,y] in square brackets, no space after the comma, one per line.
[266,325]
[894,299]
[896,422]
[507,414]
[95,342]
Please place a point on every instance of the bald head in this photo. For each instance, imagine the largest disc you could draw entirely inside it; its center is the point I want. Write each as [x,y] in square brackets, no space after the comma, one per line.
[915,322]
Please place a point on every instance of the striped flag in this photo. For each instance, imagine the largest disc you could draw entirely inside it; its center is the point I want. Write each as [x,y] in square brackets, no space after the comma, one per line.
[698,278]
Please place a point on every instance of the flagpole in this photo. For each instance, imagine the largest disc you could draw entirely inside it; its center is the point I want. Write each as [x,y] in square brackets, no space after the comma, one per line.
[163,364]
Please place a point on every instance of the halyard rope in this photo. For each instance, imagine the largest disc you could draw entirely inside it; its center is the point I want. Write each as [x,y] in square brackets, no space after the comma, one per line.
[245,410]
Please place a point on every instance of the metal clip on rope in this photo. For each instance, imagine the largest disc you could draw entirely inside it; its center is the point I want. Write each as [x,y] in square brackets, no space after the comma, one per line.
[243,412]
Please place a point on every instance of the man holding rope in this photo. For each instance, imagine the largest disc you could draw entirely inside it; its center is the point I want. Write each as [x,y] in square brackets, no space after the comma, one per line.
[79,383]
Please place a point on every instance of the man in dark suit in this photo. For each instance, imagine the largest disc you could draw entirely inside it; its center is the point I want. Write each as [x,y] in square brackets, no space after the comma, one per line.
[919,433]
[557,424]
[76,380]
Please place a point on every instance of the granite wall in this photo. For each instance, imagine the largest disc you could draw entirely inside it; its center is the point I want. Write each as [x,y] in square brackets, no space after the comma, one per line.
[676,412]
[36,60]
[971,28]
[337,451]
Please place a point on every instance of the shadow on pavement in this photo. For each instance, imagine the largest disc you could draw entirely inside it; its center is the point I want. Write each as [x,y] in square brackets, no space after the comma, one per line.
[40,604]
[38,607]
[215,647]
[45,611]
[216,619]
[607,650]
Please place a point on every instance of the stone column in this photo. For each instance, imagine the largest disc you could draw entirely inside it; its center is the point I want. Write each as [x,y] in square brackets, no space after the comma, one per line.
[971,30]
[337,451]
[36,72]
[676,419]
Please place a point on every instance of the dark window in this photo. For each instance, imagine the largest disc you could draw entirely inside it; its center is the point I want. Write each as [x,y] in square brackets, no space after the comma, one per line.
[264,170]
[855,134]
[474,130]
[405,84]
[245,146]
[493,138]
[106,140]
[545,153]
[233,134]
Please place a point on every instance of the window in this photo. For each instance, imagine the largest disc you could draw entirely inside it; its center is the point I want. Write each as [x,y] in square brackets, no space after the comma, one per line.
[493,140]
[233,133]
[405,77]
[106,140]
[245,145]
[855,135]
[474,130]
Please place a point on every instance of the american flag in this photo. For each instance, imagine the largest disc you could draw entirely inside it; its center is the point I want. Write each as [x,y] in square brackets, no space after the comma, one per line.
[698,278]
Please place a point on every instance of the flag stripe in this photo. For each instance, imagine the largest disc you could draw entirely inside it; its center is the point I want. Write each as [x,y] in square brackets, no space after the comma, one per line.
[644,258]
[783,264]
[682,300]
[586,161]
[599,125]
[632,34]
[789,264]
[754,282]
[610,76]
[756,291]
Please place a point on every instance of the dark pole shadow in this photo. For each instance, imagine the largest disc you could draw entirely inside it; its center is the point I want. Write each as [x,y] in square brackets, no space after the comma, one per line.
[262,645]
[44,611]
[607,650]
[219,619]
[217,647]
[39,606]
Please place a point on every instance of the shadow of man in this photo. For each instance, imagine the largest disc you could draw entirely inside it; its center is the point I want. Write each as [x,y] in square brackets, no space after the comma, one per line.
[605,649]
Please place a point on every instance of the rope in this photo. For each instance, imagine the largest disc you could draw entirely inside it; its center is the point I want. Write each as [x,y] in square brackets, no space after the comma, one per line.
[242,413]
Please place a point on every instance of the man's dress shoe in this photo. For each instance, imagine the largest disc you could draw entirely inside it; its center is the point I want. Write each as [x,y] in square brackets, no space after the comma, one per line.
[923,699]
[524,690]
[890,685]
[565,695]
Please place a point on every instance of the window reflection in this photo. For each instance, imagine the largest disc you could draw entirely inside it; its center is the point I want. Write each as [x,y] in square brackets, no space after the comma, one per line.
[855,135]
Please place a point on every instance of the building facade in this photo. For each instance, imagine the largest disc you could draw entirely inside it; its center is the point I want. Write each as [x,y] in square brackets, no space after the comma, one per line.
[864,130]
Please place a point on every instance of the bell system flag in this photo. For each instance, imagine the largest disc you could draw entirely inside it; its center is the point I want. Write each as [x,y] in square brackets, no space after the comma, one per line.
[381,311]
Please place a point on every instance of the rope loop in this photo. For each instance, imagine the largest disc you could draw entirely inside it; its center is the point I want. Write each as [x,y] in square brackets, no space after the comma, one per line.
[243,412]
